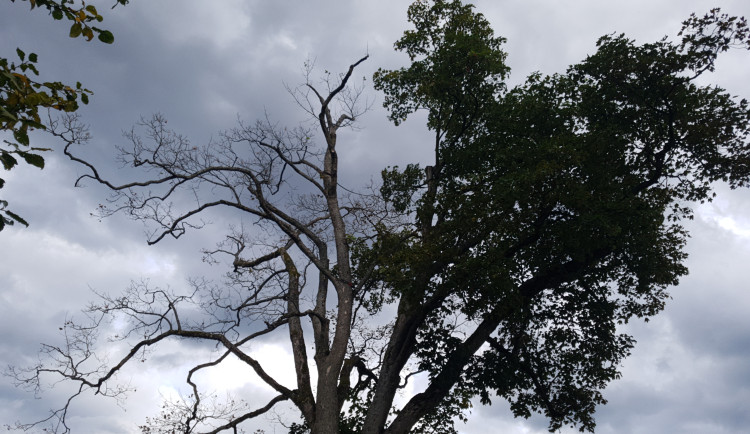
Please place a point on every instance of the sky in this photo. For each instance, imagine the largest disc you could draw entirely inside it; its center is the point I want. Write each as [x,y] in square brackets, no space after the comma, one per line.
[206,64]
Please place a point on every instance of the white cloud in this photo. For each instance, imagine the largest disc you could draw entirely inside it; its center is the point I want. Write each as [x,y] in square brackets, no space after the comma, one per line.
[719,214]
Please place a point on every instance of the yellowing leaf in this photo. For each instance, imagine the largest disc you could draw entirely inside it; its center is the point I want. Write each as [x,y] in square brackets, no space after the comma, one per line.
[88,33]
[75,30]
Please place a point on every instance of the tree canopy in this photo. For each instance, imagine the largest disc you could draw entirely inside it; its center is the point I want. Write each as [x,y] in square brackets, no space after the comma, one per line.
[552,213]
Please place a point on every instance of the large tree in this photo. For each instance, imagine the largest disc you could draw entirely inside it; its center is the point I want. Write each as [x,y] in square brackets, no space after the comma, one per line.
[551,213]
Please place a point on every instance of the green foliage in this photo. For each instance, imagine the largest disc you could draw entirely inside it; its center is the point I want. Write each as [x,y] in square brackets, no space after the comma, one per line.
[457,65]
[297,428]
[22,97]
[399,187]
[81,15]
[555,207]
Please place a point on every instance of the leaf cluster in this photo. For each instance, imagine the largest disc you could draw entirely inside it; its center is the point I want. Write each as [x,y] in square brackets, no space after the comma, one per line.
[82,15]
[21,99]
[22,96]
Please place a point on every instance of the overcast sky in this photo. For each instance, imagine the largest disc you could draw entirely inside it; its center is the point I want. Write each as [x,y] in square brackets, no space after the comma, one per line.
[204,63]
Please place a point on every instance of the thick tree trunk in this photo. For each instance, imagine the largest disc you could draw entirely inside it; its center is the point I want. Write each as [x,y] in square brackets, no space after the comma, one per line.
[327,408]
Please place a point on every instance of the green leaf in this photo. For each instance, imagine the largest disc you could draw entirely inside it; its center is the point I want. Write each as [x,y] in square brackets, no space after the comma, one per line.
[91,9]
[8,160]
[75,30]
[33,159]
[21,54]
[34,124]
[32,57]
[57,14]
[106,36]
[6,114]
[21,136]
[84,98]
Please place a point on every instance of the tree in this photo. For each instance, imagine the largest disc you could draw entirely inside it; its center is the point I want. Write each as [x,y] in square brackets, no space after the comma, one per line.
[552,212]
[22,97]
